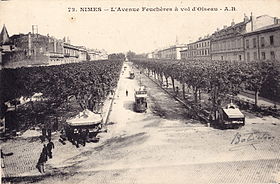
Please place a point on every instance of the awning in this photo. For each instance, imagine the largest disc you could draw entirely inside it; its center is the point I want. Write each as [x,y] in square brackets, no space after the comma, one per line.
[233,113]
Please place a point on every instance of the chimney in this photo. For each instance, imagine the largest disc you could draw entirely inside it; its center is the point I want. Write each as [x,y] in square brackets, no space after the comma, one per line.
[232,22]
[253,22]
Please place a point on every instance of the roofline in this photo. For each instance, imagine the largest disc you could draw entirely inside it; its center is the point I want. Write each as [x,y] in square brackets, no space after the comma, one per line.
[263,30]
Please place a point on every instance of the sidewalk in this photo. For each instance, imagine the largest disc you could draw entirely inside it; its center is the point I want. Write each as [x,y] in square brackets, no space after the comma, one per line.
[261,101]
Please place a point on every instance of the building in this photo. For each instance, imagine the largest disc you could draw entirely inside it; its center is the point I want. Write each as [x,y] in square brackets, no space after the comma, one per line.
[203,49]
[95,54]
[263,43]
[172,52]
[228,43]
[82,53]
[191,51]
[184,54]
[36,49]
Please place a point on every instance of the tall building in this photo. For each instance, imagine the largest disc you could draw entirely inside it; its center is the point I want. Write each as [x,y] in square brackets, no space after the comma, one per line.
[228,43]
[263,43]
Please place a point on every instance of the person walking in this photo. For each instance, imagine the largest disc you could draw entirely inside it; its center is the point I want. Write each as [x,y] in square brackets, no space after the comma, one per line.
[2,159]
[42,160]
[45,152]
[126,93]
[55,124]
[44,134]
[49,136]
[84,136]
[50,146]
[76,137]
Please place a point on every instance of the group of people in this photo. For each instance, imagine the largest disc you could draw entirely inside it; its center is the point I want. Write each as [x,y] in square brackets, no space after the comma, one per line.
[78,136]
[46,134]
[45,154]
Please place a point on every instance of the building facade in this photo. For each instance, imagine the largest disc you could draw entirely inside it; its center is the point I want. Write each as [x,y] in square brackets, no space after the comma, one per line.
[171,52]
[263,44]
[228,43]
[36,49]
[184,54]
[191,51]
[203,49]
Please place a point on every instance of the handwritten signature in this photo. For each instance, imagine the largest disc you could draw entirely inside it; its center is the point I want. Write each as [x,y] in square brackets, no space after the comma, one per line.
[252,138]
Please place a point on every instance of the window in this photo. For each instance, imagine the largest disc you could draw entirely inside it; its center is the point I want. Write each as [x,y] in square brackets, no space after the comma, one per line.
[255,56]
[263,55]
[262,41]
[247,44]
[272,55]
[271,40]
[254,43]
[248,56]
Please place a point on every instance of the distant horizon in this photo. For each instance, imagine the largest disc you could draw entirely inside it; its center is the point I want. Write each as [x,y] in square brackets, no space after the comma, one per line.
[102,27]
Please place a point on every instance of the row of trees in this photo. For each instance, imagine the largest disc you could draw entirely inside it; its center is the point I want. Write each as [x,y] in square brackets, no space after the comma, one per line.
[89,82]
[218,78]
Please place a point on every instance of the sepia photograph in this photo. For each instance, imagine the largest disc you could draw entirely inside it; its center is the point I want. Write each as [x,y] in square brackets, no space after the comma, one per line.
[140,91]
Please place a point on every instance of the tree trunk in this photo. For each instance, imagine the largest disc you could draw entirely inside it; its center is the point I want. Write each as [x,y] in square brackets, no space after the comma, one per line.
[183,88]
[161,79]
[195,95]
[166,79]
[256,97]
[173,84]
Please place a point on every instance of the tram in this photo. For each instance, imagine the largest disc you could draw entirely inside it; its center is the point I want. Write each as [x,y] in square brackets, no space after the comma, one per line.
[131,75]
[141,100]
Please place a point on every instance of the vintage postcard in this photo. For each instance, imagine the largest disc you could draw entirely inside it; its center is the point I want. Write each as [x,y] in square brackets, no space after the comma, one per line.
[140,92]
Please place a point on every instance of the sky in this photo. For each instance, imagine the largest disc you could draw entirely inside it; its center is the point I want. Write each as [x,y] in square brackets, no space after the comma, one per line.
[138,31]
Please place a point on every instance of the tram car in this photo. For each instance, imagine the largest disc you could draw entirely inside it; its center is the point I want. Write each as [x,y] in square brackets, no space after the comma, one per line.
[141,100]
[131,75]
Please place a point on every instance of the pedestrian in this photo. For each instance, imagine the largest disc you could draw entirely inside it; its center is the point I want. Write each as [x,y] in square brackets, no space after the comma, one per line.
[50,146]
[42,160]
[45,152]
[44,134]
[84,137]
[49,136]
[126,92]
[2,159]
[55,124]
[76,137]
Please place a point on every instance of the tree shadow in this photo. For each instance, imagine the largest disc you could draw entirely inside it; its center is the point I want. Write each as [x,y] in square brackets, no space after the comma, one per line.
[129,105]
